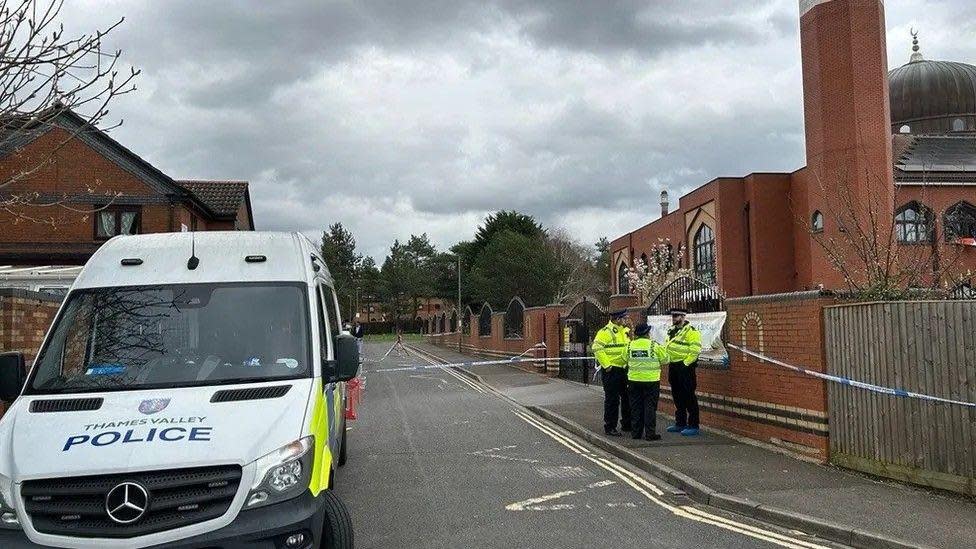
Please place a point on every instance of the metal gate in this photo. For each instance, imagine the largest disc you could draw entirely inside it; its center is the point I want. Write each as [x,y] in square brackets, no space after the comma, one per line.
[576,331]
[689,293]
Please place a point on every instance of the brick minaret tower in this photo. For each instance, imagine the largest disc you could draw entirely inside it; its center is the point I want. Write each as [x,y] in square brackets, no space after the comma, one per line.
[846,114]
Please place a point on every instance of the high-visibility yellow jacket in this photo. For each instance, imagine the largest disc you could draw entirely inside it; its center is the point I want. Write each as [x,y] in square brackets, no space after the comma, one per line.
[610,346]
[644,360]
[684,344]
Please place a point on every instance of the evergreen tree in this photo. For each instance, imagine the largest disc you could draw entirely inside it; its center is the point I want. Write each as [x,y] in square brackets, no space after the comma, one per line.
[339,253]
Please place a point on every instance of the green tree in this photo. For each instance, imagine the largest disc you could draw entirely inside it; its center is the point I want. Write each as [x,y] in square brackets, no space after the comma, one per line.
[419,269]
[498,222]
[368,281]
[393,280]
[513,264]
[339,252]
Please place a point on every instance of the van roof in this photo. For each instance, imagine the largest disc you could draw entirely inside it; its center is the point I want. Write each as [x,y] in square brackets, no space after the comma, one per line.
[221,256]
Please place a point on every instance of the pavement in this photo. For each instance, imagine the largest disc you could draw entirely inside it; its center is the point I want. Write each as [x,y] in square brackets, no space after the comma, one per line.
[438,460]
[731,474]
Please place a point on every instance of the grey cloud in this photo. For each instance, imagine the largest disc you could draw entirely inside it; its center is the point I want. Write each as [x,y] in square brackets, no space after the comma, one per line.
[395,116]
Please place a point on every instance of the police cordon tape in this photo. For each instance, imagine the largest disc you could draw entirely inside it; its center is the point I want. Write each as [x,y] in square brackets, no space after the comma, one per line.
[511,360]
[836,379]
[852,382]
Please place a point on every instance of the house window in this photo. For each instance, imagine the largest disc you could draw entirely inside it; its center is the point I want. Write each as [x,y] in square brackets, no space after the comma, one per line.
[116,220]
[623,285]
[816,222]
[705,254]
[905,129]
[958,125]
[960,221]
[913,223]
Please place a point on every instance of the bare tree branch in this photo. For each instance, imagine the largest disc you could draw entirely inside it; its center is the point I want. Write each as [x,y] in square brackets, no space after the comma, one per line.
[45,73]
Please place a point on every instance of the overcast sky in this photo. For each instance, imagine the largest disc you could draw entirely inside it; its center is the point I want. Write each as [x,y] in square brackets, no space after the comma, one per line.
[399,116]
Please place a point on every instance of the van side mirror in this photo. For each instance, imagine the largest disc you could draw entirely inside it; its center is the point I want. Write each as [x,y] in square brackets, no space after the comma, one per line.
[347,358]
[13,373]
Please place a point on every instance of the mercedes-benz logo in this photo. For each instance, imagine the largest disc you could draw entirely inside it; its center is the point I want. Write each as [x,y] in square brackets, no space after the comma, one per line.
[127,502]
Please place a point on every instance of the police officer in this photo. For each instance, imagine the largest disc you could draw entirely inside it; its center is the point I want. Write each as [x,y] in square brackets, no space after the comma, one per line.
[610,349]
[683,347]
[644,359]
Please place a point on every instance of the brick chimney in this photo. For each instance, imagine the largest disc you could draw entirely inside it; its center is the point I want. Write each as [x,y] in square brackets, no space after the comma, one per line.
[846,113]
[664,203]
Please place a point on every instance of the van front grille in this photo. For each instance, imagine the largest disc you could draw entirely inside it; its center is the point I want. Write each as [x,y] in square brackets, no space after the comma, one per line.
[77,506]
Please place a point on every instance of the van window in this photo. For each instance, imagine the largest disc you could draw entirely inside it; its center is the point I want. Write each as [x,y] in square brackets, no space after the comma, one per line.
[325,334]
[330,304]
[175,336]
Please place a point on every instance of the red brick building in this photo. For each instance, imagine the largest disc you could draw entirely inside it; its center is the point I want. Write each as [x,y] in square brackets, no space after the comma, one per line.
[100,189]
[899,143]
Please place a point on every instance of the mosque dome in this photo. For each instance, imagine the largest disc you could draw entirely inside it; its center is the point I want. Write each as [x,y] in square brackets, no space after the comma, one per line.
[933,97]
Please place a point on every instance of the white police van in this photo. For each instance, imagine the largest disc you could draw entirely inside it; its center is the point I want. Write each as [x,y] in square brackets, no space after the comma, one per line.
[189,394]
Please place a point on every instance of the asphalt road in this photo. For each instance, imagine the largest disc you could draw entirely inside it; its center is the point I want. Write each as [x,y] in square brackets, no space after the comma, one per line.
[436,460]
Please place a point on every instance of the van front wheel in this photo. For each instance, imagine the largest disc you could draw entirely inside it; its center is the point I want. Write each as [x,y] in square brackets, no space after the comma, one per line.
[337,528]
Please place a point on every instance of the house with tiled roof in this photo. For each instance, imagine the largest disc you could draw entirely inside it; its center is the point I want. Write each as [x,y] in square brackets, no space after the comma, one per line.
[73,187]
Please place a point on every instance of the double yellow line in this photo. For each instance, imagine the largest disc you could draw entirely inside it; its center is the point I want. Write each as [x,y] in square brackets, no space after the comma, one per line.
[653,493]
[449,370]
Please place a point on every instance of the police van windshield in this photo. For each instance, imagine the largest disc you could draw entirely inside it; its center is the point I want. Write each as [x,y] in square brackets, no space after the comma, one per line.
[175,336]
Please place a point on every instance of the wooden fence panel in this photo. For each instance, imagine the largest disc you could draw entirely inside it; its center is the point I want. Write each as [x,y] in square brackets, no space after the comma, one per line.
[926,347]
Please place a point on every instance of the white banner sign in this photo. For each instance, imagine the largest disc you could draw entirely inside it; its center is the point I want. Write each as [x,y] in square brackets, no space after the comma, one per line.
[709,324]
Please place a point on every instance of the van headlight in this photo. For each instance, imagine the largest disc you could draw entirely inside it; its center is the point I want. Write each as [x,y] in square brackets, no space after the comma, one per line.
[282,474]
[8,517]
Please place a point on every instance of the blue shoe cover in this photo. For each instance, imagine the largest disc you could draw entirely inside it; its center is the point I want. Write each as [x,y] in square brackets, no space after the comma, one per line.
[689,432]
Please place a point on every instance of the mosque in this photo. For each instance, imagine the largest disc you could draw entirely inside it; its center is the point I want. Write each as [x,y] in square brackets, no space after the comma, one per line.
[890,177]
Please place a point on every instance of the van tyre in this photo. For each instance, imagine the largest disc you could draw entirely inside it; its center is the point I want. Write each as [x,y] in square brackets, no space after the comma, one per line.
[342,446]
[337,527]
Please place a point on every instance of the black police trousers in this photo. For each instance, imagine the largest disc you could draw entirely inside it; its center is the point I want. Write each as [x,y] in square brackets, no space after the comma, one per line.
[683,384]
[615,399]
[643,407]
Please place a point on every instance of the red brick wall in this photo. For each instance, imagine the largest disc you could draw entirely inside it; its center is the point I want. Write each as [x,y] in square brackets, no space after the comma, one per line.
[846,117]
[540,324]
[74,169]
[764,401]
[750,398]
[772,269]
[953,259]
[24,319]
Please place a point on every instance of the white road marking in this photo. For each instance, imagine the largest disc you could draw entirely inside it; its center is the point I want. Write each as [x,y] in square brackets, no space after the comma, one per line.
[493,453]
[451,371]
[562,471]
[532,504]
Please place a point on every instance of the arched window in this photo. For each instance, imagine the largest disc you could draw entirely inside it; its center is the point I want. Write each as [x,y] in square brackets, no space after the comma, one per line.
[466,321]
[484,321]
[441,323]
[958,125]
[905,129]
[623,285]
[644,260]
[514,319]
[960,221]
[705,254]
[964,290]
[454,326]
[816,221]
[913,223]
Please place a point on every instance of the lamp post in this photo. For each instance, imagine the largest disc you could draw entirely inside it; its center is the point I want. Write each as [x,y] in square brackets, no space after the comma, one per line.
[460,318]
